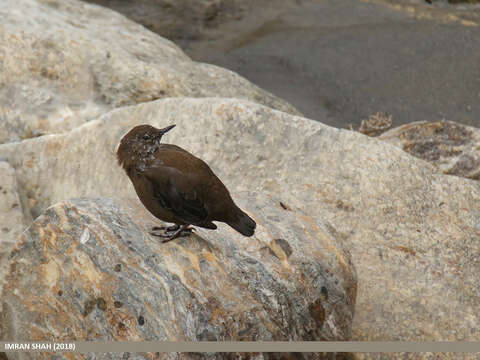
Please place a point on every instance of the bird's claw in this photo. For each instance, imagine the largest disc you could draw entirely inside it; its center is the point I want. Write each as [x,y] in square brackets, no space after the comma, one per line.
[166,228]
[178,231]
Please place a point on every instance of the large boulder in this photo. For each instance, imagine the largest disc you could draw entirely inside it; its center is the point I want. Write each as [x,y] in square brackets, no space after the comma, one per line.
[67,62]
[454,148]
[95,273]
[412,231]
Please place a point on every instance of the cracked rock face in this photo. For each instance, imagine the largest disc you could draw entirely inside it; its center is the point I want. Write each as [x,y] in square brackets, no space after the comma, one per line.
[95,273]
[66,62]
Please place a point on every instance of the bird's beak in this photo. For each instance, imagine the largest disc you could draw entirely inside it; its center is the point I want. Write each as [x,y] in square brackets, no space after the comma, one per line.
[167,129]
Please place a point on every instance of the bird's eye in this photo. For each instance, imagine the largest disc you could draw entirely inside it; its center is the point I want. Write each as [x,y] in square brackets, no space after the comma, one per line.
[146,137]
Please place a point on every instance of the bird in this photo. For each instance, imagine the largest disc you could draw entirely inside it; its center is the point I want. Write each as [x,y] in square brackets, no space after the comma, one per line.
[176,186]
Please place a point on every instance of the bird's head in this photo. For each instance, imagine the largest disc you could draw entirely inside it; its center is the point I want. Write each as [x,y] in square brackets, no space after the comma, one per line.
[141,141]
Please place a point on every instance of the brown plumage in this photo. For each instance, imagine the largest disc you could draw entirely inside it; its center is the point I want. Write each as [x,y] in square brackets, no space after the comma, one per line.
[176,186]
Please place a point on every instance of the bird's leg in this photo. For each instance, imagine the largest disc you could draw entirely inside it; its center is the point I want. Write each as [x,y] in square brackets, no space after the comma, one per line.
[174,227]
[183,230]
[178,231]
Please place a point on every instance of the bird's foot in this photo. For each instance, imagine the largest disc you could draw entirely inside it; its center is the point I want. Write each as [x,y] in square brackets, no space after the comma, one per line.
[166,228]
[172,232]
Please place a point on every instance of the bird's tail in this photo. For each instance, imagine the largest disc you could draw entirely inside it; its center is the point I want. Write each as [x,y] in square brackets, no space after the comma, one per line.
[243,223]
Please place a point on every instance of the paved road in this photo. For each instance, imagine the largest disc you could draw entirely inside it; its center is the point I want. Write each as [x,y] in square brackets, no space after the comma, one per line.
[340,61]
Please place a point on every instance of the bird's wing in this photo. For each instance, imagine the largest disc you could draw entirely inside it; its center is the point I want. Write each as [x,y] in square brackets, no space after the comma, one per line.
[176,194]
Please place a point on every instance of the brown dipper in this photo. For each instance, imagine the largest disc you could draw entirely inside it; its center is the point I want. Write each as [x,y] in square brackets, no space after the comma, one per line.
[176,186]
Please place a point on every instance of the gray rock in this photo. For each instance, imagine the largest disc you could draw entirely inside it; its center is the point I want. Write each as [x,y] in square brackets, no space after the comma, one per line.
[96,273]
[453,148]
[412,231]
[12,221]
[67,62]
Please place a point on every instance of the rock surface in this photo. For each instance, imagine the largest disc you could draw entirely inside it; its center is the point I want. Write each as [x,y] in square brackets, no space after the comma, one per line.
[12,222]
[412,231]
[66,62]
[453,148]
[96,274]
